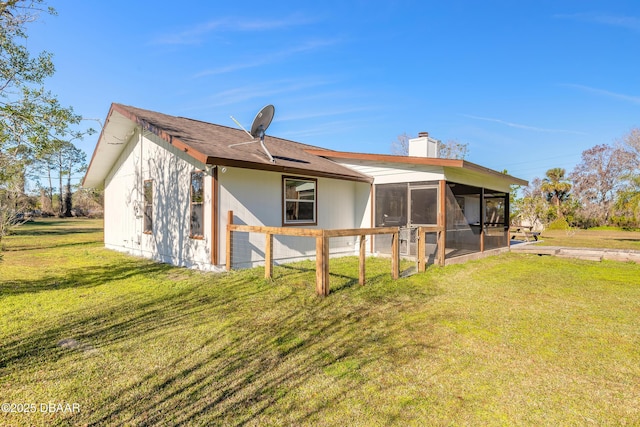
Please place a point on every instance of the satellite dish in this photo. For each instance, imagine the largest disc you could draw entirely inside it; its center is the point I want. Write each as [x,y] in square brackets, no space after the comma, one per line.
[262,121]
[258,128]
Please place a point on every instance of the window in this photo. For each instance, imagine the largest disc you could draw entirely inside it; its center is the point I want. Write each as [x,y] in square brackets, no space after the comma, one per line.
[299,196]
[148,206]
[197,205]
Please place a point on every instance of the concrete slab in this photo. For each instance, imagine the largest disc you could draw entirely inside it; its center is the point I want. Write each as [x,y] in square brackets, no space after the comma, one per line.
[582,253]
[574,255]
[589,254]
[621,255]
[536,250]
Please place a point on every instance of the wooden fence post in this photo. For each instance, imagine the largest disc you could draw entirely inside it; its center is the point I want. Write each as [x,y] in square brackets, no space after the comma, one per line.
[442,241]
[422,241]
[395,255]
[361,273]
[268,256]
[325,255]
[322,265]
[229,240]
[319,266]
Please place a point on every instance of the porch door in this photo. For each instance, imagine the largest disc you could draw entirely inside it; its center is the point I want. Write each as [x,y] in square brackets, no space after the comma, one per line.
[423,206]
[423,210]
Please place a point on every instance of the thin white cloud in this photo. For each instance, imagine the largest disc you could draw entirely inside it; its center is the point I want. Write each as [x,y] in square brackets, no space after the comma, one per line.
[270,58]
[629,98]
[198,32]
[230,68]
[521,126]
[628,22]
[306,115]
[268,89]
[337,127]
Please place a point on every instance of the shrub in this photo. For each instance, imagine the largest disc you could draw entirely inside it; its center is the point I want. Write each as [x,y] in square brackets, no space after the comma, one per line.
[558,224]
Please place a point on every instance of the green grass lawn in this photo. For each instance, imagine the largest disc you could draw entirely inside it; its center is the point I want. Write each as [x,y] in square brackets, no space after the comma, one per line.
[593,238]
[507,340]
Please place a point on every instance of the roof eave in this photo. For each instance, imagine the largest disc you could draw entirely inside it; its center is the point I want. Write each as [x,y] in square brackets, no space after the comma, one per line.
[430,161]
[276,167]
[160,133]
[145,126]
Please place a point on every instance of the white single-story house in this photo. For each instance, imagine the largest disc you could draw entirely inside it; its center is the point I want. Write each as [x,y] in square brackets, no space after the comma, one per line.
[169,183]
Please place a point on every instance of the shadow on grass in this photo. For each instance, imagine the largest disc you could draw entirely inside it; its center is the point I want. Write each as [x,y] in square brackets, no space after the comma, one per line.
[58,227]
[79,278]
[43,245]
[342,276]
[264,345]
[622,239]
[244,350]
[242,370]
[51,234]
[54,231]
[306,275]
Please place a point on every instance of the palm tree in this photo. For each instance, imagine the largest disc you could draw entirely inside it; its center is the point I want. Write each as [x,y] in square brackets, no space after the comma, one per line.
[556,187]
[628,201]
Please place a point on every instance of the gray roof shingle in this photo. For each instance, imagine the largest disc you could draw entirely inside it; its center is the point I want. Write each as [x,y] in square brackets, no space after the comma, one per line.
[211,143]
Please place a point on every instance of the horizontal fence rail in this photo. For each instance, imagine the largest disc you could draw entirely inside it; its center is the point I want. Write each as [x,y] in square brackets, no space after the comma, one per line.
[322,237]
[422,238]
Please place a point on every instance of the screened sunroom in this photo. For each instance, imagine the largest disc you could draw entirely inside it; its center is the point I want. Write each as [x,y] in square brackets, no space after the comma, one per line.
[464,206]
[476,219]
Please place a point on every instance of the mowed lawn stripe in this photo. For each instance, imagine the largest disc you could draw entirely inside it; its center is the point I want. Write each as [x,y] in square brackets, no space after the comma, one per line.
[508,340]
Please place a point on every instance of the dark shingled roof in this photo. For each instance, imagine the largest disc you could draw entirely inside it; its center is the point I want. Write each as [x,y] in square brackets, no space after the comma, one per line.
[210,143]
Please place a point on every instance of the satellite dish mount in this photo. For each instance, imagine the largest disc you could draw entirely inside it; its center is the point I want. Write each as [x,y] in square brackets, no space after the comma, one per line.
[259,127]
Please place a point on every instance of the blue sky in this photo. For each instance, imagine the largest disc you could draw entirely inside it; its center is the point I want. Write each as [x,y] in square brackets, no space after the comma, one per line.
[528,85]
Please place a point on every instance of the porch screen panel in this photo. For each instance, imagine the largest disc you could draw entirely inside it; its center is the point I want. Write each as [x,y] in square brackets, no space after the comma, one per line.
[391,205]
[462,237]
[424,206]
[390,211]
[496,220]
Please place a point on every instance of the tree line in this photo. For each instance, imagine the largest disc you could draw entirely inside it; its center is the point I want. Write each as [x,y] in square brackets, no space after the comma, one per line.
[603,189]
[36,131]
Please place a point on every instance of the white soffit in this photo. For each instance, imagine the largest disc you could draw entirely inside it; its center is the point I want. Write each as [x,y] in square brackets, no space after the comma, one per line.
[114,137]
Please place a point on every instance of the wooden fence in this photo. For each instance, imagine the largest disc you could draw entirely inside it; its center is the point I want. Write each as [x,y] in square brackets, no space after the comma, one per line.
[322,247]
[422,237]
